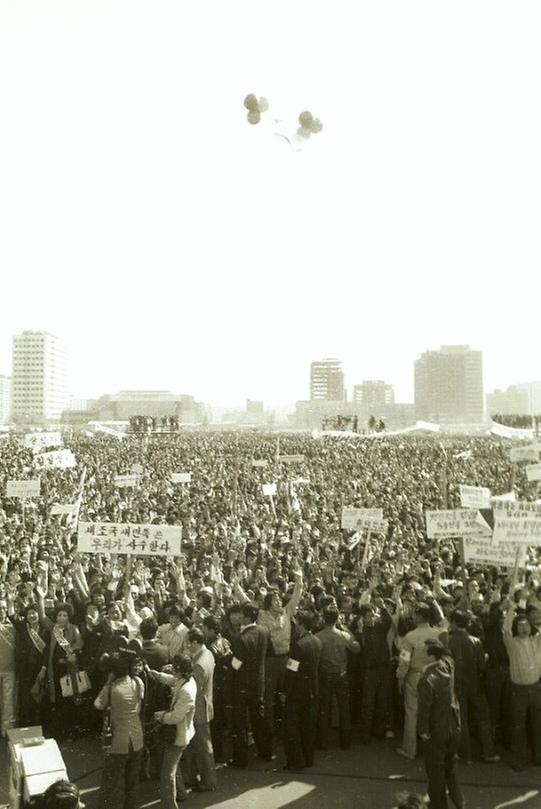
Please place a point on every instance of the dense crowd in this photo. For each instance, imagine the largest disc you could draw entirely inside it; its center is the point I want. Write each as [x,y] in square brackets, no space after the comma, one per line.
[272,624]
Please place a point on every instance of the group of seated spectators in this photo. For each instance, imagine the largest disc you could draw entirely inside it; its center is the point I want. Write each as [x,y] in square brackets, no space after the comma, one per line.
[292,629]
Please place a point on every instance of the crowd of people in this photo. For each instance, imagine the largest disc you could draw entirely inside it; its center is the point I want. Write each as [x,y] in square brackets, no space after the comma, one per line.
[272,628]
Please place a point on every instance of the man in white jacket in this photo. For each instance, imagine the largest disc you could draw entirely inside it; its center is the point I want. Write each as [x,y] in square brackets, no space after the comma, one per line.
[181,714]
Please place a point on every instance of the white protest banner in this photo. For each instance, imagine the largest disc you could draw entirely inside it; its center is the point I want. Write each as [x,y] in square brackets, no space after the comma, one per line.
[259,464]
[269,489]
[517,522]
[39,441]
[137,469]
[125,538]
[529,453]
[181,477]
[58,459]
[58,509]
[103,428]
[290,458]
[301,481]
[511,432]
[125,481]
[23,488]
[483,551]
[502,498]
[352,518]
[457,522]
[474,497]
[533,472]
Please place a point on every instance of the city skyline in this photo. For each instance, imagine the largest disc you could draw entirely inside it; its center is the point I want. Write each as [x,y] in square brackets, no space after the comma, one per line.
[378,392]
[174,246]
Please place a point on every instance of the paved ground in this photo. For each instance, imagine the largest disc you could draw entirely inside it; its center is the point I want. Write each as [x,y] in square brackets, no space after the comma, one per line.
[360,778]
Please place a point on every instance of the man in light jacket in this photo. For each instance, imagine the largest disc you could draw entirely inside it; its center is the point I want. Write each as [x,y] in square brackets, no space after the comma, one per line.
[181,714]
[200,753]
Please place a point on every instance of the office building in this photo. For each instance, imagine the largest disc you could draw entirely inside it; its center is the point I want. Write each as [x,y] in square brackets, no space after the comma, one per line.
[327,381]
[517,400]
[5,399]
[39,378]
[373,395]
[449,386]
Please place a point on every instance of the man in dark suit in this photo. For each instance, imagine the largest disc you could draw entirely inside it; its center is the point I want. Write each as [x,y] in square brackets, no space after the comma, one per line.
[156,654]
[470,665]
[438,725]
[301,689]
[248,687]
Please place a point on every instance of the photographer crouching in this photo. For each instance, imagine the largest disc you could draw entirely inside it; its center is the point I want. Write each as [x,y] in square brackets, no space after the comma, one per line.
[123,696]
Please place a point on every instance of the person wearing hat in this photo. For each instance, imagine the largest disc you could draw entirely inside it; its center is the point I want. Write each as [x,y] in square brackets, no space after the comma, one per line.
[438,725]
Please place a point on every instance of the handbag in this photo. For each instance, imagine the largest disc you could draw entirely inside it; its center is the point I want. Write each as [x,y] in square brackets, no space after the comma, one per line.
[83,682]
[66,685]
[38,690]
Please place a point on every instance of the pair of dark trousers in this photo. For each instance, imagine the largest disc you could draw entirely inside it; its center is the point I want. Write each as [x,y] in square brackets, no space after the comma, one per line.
[200,758]
[478,705]
[275,669]
[249,708]
[376,701]
[300,724]
[120,775]
[440,767]
[526,699]
[498,684]
[334,685]
[171,783]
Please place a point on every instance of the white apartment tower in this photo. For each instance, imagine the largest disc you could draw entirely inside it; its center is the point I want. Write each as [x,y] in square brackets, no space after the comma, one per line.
[39,378]
[5,399]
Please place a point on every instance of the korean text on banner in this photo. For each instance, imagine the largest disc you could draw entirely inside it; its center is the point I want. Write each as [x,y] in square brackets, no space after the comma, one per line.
[530,453]
[290,458]
[124,481]
[457,522]
[269,489]
[23,488]
[181,477]
[512,433]
[58,459]
[517,523]
[353,517]
[39,441]
[533,472]
[483,551]
[474,497]
[125,538]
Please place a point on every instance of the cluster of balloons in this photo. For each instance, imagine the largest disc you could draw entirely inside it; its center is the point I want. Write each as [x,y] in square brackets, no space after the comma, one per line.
[255,107]
[308,125]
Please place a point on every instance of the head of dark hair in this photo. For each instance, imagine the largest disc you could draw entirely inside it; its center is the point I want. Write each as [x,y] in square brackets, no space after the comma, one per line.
[63,608]
[148,628]
[212,623]
[460,619]
[330,616]
[267,601]
[174,610]
[61,795]
[183,666]
[120,665]
[195,636]
[249,612]
[205,599]
[306,619]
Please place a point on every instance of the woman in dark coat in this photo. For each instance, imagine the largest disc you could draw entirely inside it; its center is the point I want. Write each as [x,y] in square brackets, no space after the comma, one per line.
[61,656]
[30,642]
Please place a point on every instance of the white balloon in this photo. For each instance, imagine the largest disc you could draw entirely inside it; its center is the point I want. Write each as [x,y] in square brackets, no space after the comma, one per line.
[317,126]
[263,104]
[302,132]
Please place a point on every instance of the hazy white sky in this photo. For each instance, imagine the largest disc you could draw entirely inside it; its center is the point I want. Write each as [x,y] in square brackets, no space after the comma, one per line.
[172,245]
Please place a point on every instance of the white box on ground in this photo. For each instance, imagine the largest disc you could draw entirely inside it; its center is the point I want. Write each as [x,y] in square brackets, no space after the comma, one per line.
[42,764]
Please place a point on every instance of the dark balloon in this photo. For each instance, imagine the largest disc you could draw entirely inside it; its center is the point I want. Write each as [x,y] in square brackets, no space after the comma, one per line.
[254,117]
[251,103]
[305,119]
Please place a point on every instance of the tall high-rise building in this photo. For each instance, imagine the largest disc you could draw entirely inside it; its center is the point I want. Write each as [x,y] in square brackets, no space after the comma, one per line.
[449,385]
[373,394]
[327,381]
[39,378]
[5,399]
